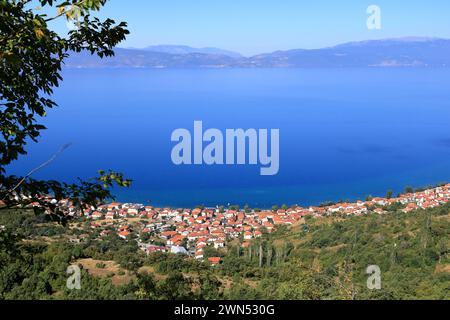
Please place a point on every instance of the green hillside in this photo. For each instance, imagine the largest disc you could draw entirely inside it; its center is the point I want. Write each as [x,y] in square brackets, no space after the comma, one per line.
[323,258]
[327,258]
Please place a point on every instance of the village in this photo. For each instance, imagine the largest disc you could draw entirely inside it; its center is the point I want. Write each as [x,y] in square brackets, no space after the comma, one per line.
[190,231]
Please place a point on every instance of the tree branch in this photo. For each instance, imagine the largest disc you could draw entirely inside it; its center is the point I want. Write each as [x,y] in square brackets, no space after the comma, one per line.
[46,163]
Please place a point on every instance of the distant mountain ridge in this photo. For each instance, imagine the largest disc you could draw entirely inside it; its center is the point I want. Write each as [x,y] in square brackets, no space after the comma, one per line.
[175,49]
[400,52]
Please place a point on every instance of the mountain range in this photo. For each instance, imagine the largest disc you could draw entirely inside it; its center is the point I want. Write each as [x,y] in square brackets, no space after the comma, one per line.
[399,52]
[178,50]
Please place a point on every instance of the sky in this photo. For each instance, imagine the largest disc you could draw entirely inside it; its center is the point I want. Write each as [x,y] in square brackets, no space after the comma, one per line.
[257,26]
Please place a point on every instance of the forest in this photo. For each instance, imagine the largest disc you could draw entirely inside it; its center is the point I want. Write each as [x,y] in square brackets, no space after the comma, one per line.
[323,258]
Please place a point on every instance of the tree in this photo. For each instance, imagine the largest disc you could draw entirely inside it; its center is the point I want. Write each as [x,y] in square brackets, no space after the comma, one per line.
[31,57]
[389,194]
[209,287]
[261,255]
[409,189]
[175,287]
[147,286]
[210,251]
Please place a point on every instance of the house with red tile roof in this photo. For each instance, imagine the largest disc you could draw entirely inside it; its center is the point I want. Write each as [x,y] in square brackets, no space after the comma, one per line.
[257,234]
[214,261]
[248,235]
[97,215]
[110,215]
[198,255]
[123,234]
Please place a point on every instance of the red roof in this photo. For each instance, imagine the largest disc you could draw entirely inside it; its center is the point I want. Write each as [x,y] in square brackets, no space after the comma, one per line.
[214,260]
[124,233]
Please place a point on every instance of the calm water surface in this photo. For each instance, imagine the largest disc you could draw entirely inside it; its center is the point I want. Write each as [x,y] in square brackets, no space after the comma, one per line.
[344,134]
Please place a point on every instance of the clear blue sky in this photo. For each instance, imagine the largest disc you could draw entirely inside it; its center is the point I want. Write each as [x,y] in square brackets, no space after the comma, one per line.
[256,26]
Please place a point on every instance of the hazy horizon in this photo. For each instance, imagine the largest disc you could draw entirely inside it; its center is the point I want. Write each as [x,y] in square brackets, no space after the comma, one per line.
[252,27]
[412,38]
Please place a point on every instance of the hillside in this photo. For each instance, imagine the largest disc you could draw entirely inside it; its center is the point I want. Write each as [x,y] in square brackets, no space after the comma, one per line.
[319,258]
[401,52]
[129,58]
[327,258]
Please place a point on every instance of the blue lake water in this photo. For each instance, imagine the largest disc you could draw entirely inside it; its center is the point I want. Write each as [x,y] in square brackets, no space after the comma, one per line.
[344,133]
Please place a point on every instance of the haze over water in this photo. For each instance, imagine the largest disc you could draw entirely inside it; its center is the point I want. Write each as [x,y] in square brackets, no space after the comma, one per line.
[344,133]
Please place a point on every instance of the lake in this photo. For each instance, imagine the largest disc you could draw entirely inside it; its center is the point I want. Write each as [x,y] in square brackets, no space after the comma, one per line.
[344,133]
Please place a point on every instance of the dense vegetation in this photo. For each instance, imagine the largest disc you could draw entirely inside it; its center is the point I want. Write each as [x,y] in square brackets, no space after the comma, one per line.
[321,259]
[328,258]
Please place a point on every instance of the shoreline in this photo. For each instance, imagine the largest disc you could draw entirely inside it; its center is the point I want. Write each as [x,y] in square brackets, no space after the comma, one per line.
[189,231]
[133,197]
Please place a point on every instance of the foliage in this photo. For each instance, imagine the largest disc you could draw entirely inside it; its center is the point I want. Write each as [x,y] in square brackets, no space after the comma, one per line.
[327,262]
[330,260]
[31,57]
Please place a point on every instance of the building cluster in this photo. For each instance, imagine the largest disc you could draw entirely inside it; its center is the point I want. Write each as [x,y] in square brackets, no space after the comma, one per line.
[190,231]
